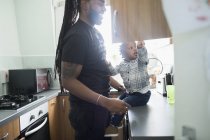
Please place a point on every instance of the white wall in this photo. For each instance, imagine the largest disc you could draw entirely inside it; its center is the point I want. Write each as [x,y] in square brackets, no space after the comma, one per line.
[10,56]
[9,44]
[27,31]
[192,87]
[192,90]
[36,32]
[35,27]
[27,38]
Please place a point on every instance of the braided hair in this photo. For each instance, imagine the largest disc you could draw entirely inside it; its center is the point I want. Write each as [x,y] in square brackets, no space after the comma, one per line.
[72,8]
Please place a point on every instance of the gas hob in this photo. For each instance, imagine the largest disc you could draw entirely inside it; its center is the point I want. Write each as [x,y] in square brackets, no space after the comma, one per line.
[15,102]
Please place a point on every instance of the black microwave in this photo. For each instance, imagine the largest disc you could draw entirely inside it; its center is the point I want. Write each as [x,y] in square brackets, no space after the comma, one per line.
[29,81]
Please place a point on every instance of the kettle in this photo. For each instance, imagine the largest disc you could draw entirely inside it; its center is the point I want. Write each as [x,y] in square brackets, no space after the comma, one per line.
[161,84]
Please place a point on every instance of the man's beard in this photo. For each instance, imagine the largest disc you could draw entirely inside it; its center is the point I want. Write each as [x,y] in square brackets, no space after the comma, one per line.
[95,17]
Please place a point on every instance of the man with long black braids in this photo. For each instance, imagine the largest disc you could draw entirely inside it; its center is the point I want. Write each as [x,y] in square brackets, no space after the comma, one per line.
[83,70]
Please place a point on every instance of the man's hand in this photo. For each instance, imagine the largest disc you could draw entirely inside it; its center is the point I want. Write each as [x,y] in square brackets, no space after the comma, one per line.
[114,105]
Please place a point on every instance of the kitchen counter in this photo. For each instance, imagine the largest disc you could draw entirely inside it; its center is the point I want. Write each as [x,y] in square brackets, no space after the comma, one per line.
[8,115]
[155,121]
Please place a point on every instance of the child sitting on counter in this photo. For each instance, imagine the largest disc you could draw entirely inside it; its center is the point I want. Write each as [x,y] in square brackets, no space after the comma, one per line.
[133,70]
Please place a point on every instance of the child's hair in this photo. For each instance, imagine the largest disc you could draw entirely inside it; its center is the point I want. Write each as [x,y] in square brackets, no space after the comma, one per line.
[122,48]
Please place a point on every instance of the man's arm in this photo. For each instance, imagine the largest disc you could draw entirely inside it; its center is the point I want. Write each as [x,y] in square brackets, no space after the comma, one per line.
[115,84]
[113,71]
[69,74]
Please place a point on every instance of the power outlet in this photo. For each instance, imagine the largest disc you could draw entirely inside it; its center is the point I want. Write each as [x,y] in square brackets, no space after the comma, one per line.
[4,76]
[188,133]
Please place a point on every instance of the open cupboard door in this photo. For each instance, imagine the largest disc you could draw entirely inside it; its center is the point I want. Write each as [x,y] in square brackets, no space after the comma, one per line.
[138,20]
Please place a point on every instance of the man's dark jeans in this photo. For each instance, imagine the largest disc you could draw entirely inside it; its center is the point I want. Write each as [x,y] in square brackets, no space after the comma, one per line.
[88,120]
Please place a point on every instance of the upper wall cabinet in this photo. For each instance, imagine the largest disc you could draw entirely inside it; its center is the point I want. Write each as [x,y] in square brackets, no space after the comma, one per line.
[119,20]
[138,20]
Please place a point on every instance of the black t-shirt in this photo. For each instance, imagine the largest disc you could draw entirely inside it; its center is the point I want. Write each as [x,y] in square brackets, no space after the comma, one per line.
[83,45]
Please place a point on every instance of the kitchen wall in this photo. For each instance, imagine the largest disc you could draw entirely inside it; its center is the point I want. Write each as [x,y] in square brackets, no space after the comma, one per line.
[191,40]
[9,42]
[35,22]
[192,86]
[36,31]
[27,36]
[10,56]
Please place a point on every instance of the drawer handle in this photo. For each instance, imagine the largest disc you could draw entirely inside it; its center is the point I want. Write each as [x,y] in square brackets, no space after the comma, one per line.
[5,136]
[63,103]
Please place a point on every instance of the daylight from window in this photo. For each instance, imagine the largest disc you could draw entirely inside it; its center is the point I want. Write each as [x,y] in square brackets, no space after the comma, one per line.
[157,48]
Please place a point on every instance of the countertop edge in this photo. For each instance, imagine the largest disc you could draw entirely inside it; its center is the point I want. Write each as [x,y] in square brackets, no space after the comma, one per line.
[8,115]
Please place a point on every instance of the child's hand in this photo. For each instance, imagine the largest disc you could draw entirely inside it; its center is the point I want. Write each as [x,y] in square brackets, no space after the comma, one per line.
[140,44]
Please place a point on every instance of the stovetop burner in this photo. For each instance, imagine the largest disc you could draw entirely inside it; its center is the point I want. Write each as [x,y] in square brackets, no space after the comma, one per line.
[13,102]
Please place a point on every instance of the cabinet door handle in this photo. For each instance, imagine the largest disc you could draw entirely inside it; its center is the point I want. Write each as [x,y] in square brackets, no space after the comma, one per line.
[53,102]
[63,103]
[5,136]
[115,13]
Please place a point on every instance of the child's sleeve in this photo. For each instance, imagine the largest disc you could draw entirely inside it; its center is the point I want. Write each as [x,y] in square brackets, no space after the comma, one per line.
[143,55]
[113,70]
